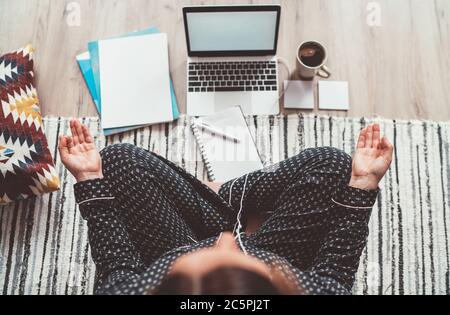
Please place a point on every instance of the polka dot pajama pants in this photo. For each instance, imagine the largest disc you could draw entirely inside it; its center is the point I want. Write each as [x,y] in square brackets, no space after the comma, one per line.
[158,207]
[164,207]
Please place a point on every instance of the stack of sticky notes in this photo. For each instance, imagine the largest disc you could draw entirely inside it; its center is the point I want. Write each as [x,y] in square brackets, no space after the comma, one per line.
[129,80]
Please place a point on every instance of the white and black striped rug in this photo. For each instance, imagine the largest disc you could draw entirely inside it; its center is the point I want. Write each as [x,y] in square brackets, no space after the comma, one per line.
[43,241]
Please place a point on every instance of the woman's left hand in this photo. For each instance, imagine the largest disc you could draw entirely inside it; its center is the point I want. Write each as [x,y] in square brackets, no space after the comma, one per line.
[372,159]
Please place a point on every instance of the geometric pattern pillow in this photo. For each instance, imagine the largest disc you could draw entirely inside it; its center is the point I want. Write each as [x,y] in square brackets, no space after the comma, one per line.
[26,164]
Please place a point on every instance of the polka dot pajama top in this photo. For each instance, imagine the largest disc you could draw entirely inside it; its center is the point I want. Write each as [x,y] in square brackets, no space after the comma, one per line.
[146,212]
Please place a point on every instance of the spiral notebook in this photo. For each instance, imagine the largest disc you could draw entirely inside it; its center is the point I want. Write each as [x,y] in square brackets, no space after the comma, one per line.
[226,159]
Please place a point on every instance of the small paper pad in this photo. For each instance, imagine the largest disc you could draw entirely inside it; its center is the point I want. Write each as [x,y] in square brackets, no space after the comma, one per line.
[299,94]
[334,95]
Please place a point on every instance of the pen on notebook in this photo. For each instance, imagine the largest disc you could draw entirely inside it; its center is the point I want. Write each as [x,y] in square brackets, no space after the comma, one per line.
[216,132]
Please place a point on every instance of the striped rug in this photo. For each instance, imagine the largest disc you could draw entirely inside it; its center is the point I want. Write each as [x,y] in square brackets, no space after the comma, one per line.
[43,241]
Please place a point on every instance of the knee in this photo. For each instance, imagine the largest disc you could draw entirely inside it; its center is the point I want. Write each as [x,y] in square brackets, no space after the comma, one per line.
[340,159]
[119,151]
[126,157]
[123,154]
[331,158]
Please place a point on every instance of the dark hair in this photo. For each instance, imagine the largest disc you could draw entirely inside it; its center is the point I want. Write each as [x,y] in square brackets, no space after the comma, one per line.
[232,281]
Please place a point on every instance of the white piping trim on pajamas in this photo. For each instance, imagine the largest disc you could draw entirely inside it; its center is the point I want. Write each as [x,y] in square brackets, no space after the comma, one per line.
[192,239]
[99,198]
[347,206]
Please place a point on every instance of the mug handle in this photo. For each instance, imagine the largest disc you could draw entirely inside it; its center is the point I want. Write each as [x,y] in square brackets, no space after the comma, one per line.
[324,72]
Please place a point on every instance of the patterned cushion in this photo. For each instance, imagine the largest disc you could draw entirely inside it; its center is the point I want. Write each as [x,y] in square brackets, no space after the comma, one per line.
[26,165]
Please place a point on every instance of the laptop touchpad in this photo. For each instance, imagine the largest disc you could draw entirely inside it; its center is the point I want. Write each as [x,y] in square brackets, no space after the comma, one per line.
[223,100]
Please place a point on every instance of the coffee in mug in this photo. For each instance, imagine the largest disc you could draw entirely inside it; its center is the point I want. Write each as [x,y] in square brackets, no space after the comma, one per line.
[311,59]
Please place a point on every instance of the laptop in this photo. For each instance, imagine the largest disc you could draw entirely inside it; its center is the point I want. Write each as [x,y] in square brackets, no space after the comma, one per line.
[232,59]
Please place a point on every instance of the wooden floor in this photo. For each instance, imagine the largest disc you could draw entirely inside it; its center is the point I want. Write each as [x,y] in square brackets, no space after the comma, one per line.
[400,69]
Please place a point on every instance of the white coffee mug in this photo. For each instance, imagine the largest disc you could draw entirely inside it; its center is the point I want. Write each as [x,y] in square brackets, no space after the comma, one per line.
[311,59]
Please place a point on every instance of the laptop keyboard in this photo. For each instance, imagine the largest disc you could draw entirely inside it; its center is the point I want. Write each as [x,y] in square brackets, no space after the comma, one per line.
[232,76]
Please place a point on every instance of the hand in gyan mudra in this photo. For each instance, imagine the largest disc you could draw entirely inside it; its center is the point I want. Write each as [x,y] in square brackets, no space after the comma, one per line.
[371,160]
[79,154]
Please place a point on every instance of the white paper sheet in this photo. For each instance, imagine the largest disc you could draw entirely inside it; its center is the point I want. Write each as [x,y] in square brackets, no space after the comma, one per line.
[135,81]
[333,95]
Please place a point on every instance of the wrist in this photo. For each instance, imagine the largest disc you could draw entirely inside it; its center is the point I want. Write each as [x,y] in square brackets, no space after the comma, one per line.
[82,177]
[364,182]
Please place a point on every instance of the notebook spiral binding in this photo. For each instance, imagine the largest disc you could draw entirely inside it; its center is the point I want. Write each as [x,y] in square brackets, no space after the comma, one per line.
[201,147]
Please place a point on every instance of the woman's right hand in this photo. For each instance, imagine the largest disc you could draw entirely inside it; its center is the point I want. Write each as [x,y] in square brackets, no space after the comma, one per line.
[372,159]
[79,154]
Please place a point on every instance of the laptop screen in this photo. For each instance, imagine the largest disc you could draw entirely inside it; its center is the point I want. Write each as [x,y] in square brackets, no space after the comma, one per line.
[232,30]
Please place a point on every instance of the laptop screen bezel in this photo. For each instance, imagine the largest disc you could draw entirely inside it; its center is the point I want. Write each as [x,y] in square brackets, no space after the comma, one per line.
[237,8]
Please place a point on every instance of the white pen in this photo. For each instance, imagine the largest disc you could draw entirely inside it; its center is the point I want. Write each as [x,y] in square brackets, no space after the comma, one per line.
[216,131]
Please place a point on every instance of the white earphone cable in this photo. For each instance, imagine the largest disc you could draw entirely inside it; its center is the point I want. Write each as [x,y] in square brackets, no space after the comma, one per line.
[285,63]
[238,218]
[238,225]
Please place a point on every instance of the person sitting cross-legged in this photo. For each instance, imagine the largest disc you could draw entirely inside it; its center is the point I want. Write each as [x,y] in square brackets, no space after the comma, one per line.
[296,228]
